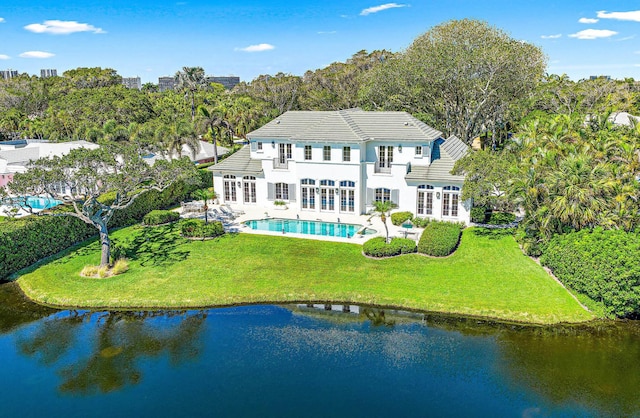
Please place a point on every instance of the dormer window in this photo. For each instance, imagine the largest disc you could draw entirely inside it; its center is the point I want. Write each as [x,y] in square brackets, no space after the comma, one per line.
[419,151]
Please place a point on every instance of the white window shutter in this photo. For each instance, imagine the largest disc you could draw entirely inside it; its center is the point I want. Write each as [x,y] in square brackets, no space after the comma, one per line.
[292,192]
[395,196]
[271,191]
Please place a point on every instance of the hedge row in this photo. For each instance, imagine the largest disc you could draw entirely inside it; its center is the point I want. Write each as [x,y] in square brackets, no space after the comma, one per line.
[26,240]
[159,217]
[439,239]
[482,215]
[197,228]
[378,247]
[601,264]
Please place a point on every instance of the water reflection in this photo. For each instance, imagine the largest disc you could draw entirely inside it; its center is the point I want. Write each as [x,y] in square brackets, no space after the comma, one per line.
[100,352]
[315,360]
[592,367]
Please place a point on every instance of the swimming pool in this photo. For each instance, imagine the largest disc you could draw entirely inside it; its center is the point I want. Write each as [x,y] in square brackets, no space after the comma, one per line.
[35,202]
[297,226]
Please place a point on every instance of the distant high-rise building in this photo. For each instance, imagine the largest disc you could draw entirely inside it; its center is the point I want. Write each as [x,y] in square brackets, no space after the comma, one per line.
[132,82]
[595,77]
[46,73]
[228,82]
[166,83]
[9,74]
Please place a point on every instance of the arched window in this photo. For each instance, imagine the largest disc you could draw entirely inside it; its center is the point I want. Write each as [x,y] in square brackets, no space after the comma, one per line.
[282,191]
[327,195]
[450,201]
[347,196]
[425,200]
[249,189]
[382,194]
[308,193]
[229,188]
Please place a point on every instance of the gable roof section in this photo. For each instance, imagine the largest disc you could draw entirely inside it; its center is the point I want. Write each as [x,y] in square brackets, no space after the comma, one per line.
[444,157]
[238,163]
[350,125]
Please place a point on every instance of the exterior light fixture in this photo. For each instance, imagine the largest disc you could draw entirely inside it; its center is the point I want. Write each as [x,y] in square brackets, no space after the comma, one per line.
[273,144]
[239,184]
[437,195]
[400,148]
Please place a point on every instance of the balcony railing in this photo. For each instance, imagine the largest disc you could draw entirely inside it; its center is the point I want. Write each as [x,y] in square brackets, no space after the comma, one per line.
[278,164]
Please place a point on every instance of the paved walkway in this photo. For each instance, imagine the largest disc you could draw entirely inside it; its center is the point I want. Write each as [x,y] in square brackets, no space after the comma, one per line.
[249,212]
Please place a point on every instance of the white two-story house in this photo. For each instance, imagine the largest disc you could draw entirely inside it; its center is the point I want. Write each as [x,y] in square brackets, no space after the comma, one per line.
[339,162]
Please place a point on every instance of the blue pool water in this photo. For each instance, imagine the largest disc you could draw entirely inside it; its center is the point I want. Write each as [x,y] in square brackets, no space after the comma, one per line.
[297,226]
[35,202]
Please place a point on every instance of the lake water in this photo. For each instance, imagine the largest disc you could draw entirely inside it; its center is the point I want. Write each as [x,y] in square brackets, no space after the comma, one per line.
[293,361]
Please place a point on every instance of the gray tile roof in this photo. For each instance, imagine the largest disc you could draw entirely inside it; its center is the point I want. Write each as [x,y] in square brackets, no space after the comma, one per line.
[20,155]
[238,163]
[350,125]
[444,157]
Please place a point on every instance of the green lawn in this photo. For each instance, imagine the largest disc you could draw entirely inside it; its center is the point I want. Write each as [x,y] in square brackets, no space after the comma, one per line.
[487,276]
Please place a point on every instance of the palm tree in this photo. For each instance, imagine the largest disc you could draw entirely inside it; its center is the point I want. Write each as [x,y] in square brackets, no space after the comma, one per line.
[190,80]
[174,136]
[214,121]
[205,195]
[382,209]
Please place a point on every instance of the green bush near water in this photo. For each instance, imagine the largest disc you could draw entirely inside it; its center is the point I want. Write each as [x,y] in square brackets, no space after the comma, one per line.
[600,264]
[439,239]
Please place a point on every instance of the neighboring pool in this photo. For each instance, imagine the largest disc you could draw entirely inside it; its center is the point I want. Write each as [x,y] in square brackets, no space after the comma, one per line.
[297,226]
[35,202]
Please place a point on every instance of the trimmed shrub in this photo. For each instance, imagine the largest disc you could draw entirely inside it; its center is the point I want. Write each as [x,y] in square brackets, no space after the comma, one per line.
[197,228]
[421,222]
[399,218]
[159,217]
[600,264]
[439,239]
[478,214]
[27,240]
[501,218]
[378,247]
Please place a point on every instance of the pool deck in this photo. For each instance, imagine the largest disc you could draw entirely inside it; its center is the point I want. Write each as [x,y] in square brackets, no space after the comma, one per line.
[247,212]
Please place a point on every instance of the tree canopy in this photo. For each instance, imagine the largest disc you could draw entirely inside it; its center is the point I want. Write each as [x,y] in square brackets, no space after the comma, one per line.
[83,178]
[461,76]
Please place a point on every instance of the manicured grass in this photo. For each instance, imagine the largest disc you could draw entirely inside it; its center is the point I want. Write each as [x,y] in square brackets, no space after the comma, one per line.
[487,276]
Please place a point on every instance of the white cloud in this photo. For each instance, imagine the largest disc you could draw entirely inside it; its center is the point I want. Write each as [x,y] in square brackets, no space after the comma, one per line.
[593,34]
[257,48]
[633,16]
[587,20]
[1,19]
[36,54]
[559,35]
[4,57]
[62,27]
[376,9]
[626,38]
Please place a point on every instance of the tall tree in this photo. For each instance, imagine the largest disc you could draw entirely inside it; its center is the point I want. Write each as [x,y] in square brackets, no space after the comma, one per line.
[88,174]
[215,122]
[172,138]
[461,75]
[190,80]
[382,209]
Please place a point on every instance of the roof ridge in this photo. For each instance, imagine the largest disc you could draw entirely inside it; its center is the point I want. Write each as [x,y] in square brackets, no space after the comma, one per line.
[345,114]
[424,128]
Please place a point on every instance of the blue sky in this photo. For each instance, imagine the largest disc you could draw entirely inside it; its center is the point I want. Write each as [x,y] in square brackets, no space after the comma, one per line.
[248,38]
